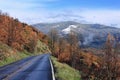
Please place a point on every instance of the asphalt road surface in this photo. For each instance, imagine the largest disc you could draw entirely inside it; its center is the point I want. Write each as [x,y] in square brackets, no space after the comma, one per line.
[32,68]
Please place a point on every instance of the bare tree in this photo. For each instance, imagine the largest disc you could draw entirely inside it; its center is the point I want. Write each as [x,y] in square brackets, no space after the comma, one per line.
[53,35]
[62,45]
[74,47]
[110,67]
[13,27]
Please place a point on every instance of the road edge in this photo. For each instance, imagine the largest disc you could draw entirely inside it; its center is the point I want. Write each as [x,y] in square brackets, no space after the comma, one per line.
[53,73]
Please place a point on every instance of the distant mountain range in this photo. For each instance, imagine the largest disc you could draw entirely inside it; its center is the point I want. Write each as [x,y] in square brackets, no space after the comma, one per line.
[94,35]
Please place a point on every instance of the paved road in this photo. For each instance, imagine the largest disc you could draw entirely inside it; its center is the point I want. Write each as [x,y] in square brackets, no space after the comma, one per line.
[32,68]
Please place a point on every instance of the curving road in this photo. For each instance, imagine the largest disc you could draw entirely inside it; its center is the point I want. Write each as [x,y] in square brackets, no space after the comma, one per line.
[32,68]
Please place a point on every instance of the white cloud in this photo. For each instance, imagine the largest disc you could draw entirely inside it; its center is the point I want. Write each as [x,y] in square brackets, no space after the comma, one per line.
[106,17]
[31,12]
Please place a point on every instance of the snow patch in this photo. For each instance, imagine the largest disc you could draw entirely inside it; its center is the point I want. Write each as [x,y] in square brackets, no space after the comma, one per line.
[68,29]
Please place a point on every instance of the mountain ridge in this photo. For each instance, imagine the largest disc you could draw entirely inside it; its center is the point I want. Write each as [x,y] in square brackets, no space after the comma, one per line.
[93,34]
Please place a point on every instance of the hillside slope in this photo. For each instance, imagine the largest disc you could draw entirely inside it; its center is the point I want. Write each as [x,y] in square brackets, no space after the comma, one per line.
[19,40]
[9,55]
[19,35]
[64,71]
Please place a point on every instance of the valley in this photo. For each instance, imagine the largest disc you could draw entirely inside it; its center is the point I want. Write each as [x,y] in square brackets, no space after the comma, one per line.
[90,50]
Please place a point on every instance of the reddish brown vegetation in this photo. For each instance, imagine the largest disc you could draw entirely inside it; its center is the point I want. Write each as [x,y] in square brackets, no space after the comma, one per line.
[106,66]
[19,35]
[103,65]
[66,50]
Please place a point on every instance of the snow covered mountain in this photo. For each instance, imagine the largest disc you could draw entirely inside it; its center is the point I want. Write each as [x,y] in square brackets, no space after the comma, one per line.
[94,35]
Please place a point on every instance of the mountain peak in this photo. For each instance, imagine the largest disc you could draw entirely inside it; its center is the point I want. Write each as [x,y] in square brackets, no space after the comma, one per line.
[68,29]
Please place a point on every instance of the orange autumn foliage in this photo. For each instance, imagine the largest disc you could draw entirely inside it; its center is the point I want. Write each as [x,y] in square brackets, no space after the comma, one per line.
[64,57]
[19,35]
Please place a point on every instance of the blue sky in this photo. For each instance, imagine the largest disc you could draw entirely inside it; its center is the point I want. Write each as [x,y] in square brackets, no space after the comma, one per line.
[85,11]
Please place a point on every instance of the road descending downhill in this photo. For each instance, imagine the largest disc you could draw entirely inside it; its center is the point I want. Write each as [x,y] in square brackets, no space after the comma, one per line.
[32,68]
